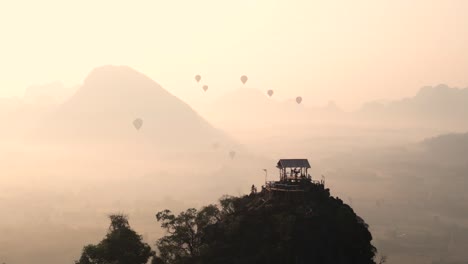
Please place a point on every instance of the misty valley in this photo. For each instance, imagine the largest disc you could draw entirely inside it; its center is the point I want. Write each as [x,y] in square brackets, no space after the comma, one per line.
[120,144]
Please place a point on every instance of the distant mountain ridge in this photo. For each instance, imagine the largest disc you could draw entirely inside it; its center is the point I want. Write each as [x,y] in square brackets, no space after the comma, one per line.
[112,97]
[450,147]
[440,102]
[435,105]
[254,107]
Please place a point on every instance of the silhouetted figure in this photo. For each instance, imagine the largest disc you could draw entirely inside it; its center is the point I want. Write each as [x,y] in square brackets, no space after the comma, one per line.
[253,190]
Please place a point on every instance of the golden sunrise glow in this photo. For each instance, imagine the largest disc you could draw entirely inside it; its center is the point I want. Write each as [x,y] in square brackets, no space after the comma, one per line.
[324,50]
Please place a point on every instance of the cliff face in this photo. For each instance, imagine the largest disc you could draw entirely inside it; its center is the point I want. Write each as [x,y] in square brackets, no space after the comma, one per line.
[305,227]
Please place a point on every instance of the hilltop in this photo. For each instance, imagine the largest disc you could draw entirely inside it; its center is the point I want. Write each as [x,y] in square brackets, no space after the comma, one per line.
[262,227]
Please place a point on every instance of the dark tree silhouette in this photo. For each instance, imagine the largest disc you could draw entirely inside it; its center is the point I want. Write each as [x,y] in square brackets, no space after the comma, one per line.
[286,228]
[185,232]
[121,245]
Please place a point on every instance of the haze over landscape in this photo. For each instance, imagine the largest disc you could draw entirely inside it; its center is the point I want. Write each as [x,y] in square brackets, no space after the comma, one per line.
[101,112]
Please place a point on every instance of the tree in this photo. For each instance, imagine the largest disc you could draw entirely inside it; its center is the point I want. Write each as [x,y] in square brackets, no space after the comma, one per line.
[121,245]
[185,233]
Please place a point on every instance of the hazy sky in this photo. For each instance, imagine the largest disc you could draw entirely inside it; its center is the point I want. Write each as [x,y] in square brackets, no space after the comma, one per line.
[348,51]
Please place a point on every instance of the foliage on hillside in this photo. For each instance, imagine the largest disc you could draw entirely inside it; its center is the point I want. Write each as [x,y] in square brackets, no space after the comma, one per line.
[121,245]
[304,227]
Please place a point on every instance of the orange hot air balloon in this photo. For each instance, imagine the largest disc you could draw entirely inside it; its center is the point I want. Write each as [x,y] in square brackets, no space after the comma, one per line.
[270,92]
[298,99]
[137,123]
[197,78]
[244,79]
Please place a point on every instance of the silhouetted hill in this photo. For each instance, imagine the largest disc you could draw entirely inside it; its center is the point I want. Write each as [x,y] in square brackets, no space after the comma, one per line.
[19,116]
[48,94]
[315,228]
[431,105]
[448,148]
[456,143]
[250,104]
[276,228]
[112,97]
[249,107]
[249,112]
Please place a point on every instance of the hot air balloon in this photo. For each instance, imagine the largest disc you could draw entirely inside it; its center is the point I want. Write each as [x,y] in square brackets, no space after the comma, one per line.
[137,123]
[244,79]
[232,154]
[298,99]
[216,145]
[205,87]
[270,92]
[197,78]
